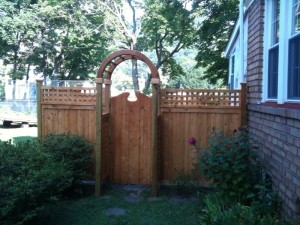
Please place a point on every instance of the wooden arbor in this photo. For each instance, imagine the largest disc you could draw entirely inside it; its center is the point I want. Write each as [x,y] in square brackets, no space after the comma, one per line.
[104,76]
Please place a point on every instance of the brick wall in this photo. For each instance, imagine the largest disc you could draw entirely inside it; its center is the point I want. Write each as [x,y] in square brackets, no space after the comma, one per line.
[277,134]
[255,51]
[276,131]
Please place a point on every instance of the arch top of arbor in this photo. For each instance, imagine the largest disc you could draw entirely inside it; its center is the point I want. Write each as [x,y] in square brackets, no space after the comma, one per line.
[112,61]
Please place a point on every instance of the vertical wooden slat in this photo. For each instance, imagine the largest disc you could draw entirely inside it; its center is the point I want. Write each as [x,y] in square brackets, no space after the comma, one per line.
[39,83]
[133,130]
[155,102]
[98,136]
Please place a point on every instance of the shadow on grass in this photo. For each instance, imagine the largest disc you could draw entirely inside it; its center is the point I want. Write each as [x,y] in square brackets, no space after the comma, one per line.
[146,211]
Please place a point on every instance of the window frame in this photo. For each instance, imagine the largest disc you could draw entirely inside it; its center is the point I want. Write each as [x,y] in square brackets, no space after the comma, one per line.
[285,34]
[232,64]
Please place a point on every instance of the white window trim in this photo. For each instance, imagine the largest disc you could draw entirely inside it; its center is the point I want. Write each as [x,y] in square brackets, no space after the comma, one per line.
[285,33]
[232,54]
[267,45]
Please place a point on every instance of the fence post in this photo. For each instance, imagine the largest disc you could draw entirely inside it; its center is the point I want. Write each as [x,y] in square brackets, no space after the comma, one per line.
[99,82]
[107,94]
[243,102]
[39,84]
[155,100]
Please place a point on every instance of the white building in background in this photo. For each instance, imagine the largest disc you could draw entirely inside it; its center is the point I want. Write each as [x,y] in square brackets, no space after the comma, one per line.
[24,89]
[236,49]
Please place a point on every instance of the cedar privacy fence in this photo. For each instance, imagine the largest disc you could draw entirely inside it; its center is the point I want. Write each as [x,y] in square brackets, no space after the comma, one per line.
[144,141]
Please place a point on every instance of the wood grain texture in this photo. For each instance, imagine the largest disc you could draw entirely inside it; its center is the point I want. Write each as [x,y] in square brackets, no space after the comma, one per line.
[126,129]
[131,136]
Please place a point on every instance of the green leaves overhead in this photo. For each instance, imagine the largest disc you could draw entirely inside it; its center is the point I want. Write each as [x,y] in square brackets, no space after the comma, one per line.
[60,37]
[218,19]
[167,28]
[67,39]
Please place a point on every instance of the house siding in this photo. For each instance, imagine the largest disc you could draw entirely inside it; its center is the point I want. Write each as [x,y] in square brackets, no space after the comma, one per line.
[276,131]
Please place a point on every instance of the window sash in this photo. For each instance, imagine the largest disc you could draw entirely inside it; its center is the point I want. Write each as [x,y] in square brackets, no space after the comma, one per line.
[294,68]
[275,22]
[273,73]
[296,17]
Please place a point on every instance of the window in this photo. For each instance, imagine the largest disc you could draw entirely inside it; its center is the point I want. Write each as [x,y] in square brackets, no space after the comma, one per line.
[281,81]
[294,68]
[275,22]
[294,55]
[273,53]
[296,15]
[232,69]
[273,73]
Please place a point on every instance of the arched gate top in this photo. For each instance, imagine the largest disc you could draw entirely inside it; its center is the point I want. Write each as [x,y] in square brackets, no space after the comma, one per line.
[113,60]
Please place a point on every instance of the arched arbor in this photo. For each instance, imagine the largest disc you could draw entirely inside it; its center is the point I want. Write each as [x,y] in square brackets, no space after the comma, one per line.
[104,77]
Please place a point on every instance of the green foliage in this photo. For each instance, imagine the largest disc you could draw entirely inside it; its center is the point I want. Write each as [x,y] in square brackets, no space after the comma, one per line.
[29,178]
[165,35]
[191,77]
[185,184]
[227,162]
[243,195]
[226,211]
[72,149]
[218,19]
[62,38]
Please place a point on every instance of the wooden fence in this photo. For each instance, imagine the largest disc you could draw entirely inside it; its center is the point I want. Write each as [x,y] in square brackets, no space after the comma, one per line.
[195,113]
[182,114]
[72,110]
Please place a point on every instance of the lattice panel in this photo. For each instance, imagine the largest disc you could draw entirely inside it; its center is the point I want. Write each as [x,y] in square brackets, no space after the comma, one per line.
[68,95]
[200,98]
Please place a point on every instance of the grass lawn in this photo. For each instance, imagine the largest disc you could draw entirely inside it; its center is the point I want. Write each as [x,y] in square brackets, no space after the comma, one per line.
[122,207]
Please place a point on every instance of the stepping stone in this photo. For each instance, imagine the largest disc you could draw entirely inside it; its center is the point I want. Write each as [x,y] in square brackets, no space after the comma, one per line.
[180,199]
[137,188]
[105,197]
[154,199]
[115,212]
[133,198]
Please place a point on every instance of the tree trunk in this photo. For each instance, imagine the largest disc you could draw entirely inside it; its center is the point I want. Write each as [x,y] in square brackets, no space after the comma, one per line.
[147,83]
[14,73]
[27,84]
[134,73]
[57,63]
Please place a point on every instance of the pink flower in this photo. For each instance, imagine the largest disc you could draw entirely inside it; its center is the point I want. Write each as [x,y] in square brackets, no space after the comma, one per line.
[192,140]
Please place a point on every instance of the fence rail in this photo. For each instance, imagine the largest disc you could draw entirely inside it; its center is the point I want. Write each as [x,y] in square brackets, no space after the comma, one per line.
[200,98]
[182,114]
[68,96]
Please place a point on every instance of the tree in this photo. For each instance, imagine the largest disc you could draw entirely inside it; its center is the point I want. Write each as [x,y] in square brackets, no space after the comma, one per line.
[62,38]
[167,28]
[71,41]
[124,18]
[218,19]
[17,34]
[191,77]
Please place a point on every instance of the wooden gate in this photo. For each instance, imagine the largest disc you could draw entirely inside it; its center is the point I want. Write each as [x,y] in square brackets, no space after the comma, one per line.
[131,139]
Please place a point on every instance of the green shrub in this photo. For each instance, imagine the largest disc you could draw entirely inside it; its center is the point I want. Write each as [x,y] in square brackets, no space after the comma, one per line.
[185,183]
[29,178]
[221,210]
[73,149]
[242,196]
[227,162]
